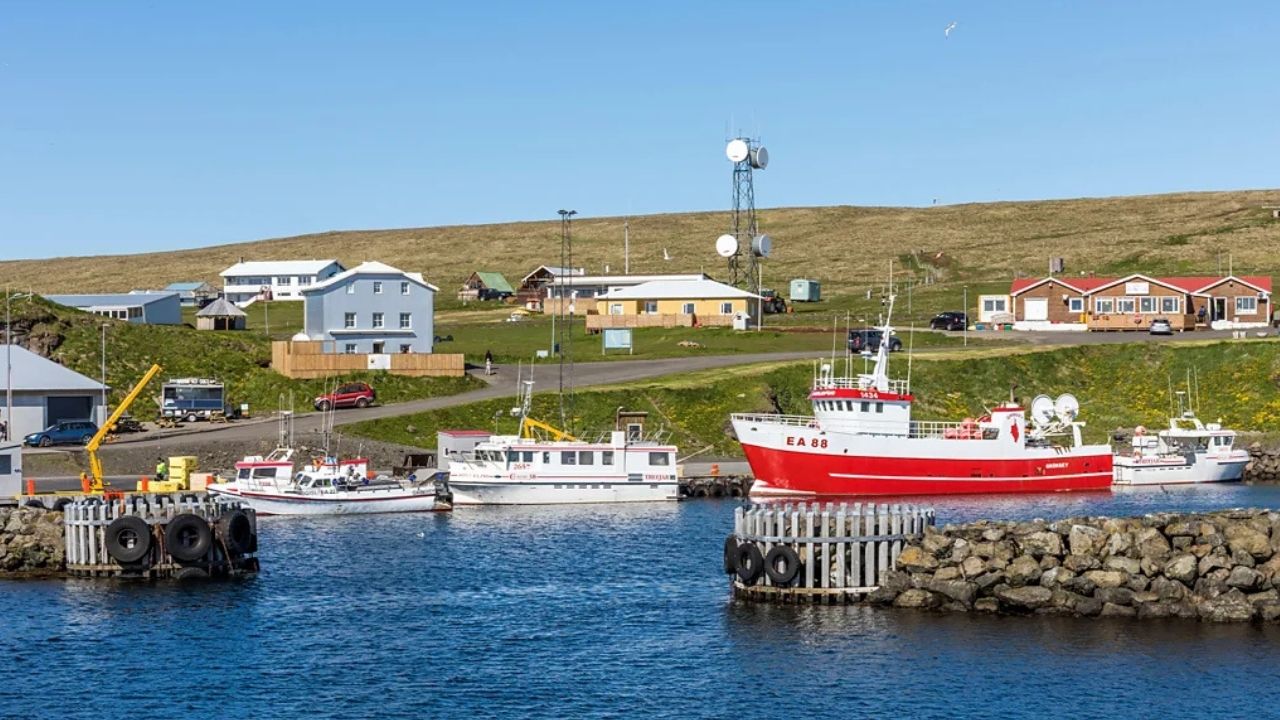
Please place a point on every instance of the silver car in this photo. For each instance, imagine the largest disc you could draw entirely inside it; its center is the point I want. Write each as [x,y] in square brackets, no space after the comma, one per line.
[1160,326]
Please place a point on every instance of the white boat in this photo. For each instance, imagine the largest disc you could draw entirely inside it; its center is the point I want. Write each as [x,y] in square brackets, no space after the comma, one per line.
[1189,451]
[326,486]
[542,465]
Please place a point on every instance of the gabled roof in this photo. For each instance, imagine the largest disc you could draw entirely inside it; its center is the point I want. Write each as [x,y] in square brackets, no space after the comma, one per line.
[1194,284]
[554,271]
[494,281]
[35,372]
[1173,283]
[677,290]
[220,308]
[184,286]
[135,299]
[279,267]
[368,268]
[1261,283]
[1080,285]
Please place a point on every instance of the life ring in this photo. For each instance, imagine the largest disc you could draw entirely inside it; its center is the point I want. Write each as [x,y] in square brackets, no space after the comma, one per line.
[730,552]
[187,537]
[782,565]
[748,563]
[128,539]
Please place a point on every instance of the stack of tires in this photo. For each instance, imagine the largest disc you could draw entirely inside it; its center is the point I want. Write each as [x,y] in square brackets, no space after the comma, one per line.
[781,564]
[199,549]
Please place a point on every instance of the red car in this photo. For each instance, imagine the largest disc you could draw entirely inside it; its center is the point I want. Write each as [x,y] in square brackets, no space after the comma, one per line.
[355,394]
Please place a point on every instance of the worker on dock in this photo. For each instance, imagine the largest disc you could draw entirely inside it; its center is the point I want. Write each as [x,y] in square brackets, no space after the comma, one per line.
[162,469]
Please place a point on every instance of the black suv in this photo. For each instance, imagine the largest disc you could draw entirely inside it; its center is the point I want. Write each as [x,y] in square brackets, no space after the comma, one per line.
[869,339]
[948,321]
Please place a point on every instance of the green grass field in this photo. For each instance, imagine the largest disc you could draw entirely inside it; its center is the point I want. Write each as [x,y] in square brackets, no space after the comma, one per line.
[1118,386]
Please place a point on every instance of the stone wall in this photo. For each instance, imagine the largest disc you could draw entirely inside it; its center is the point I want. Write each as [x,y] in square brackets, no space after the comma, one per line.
[31,542]
[1264,465]
[1220,567]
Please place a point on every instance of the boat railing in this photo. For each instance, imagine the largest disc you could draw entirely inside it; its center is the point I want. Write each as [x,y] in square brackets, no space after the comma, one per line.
[947,430]
[767,419]
[899,387]
[964,430]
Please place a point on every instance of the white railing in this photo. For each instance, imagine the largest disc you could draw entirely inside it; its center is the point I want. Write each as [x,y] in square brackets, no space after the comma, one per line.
[918,429]
[946,430]
[789,420]
[899,387]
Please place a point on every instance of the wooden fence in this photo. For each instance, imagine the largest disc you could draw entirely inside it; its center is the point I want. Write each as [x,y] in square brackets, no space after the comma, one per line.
[821,553]
[309,359]
[595,323]
[87,521]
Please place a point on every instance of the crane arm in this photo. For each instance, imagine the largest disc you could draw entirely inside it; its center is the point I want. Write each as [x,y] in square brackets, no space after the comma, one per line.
[528,425]
[95,465]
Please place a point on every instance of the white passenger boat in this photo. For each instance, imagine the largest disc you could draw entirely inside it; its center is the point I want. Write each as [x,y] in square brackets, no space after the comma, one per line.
[1189,451]
[272,485]
[543,465]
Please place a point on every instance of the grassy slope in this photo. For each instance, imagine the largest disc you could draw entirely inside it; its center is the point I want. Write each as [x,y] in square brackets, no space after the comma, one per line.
[848,248]
[239,359]
[1118,385]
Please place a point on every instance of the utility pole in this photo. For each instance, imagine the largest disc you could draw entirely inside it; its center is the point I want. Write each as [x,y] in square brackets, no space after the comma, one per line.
[566,322]
[626,246]
[104,371]
[966,316]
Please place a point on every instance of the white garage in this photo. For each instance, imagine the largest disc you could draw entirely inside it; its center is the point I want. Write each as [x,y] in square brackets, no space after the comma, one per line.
[45,392]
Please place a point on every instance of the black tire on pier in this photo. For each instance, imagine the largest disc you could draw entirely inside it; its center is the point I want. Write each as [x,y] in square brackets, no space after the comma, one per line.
[35,504]
[730,553]
[188,537]
[749,563]
[191,572]
[237,532]
[128,539]
[60,504]
[782,565]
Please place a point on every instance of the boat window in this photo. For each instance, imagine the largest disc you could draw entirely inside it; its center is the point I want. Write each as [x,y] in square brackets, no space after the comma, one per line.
[659,458]
[259,473]
[586,457]
[879,407]
[606,457]
[513,456]
[242,474]
[568,457]
[546,458]
[866,406]
[527,456]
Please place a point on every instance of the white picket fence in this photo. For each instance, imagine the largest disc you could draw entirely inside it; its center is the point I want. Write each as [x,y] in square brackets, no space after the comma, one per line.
[842,547]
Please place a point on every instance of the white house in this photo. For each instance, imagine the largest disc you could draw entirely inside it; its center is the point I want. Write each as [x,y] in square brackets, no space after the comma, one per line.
[245,282]
[372,308]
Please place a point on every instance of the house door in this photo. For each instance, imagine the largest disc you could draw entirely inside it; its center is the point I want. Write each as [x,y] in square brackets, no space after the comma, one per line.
[1035,309]
[1219,309]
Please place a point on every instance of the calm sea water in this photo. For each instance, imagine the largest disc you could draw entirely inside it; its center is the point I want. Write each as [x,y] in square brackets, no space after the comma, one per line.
[595,612]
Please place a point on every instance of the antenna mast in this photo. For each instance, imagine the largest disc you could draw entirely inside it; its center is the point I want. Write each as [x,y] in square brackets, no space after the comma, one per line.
[743,246]
[565,311]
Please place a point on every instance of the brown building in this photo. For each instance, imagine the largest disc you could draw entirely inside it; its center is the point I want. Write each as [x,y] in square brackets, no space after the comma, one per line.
[1132,302]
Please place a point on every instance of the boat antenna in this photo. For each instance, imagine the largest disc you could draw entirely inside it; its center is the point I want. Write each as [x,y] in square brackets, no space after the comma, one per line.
[566,319]
[834,334]
[911,343]
[848,359]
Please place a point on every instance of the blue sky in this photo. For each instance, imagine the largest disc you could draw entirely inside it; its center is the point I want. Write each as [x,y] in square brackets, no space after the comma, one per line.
[130,127]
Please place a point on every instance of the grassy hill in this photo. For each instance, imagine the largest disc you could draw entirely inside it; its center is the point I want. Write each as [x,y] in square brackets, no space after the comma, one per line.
[1118,386]
[848,248]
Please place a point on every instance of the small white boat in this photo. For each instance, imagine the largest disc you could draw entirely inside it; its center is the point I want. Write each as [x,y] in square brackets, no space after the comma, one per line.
[327,486]
[1189,451]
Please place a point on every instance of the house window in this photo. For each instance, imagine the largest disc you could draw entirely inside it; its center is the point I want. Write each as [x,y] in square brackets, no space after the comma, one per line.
[351,288]
[1105,306]
[1075,305]
[651,307]
[568,457]
[726,308]
[615,309]
[377,287]
[1124,305]
[404,288]
[349,321]
[1147,304]
[305,279]
[286,280]
[606,457]
[993,305]
[350,349]
[1246,305]
[406,321]
[1169,305]
[377,320]
[379,348]
[406,349]
[687,309]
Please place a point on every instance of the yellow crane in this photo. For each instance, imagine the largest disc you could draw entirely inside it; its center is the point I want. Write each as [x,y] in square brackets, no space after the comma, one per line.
[528,425]
[96,485]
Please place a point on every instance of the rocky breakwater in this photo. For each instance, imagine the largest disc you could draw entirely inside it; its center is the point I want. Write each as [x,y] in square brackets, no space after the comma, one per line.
[1264,465]
[31,542]
[1219,567]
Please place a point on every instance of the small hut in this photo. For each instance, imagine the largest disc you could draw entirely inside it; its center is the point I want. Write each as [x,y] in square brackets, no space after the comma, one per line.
[220,315]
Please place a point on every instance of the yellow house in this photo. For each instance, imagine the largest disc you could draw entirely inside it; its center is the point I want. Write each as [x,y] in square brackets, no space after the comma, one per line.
[672,303]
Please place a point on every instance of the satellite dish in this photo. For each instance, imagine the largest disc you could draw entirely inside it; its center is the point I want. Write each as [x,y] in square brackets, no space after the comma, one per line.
[760,158]
[761,245]
[737,150]
[1067,407]
[726,245]
[1042,410]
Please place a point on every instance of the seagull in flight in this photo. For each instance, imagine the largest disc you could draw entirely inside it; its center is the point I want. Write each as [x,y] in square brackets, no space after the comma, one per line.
[666,255]
[947,33]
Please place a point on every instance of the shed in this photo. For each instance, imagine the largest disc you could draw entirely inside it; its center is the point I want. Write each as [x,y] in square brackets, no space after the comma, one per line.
[45,392]
[805,290]
[484,285]
[220,315]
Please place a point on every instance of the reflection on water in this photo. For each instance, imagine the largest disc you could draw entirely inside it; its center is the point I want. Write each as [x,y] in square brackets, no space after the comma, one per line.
[581,611]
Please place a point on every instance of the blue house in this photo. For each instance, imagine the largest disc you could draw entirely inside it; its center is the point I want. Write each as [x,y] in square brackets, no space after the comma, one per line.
[372,308]
[150,308]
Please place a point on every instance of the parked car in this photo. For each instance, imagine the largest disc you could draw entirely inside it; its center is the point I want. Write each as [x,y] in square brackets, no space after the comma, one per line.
[63,432]
[1160,326]
[356,394]
[948,321]
[869,339]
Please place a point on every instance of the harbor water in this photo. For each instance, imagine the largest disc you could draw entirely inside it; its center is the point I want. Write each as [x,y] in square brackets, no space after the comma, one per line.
[596,611]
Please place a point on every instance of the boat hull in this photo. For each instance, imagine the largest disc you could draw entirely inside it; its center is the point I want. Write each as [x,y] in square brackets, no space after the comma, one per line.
[354,503]
[1179,471]
[469,491]
[791,461]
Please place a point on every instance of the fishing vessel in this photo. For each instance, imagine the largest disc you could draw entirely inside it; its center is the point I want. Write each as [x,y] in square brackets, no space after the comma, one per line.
[542,464]
[861,440]
[1188,451]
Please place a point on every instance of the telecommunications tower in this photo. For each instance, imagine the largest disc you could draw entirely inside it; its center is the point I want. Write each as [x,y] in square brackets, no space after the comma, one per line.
[743,246]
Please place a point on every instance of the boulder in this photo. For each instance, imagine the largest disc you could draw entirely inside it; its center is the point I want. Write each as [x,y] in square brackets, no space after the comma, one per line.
[1114,596]
[917,598]
[993,535]
[1162,609]
[987,605]
[972,567]
[960,550]
[1085,540]
[1242,537]
[956,590]
[1039,544]
[1022,571]
[1124,564]
[1150,542]
[913,558]
[1182,568]
[1054,576]
[1049,561]
[1080,585]
[892,583]
[1213,561]
[1180,542]
[1080,563]
[935,543]
[1113,610]
[1245,578]
[1226,608]
[950,572]
[988,580]
[1076,603]
[1029,597]
[984,550]
[1184,528]
[1118,543]
[1106,578]
[1263,597]
[1268,611]
[1169,589]
[1270,569]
